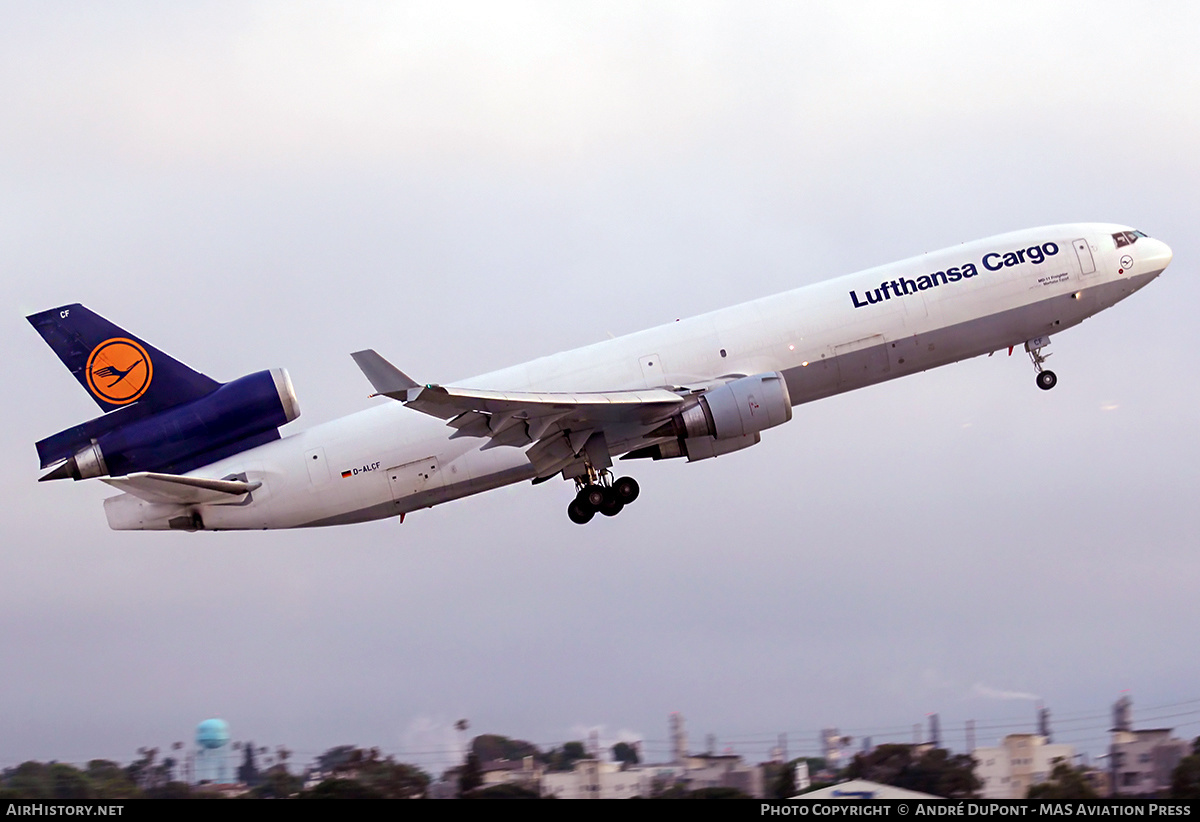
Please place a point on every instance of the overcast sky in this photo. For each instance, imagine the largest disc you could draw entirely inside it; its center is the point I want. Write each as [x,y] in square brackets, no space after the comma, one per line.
[467,186]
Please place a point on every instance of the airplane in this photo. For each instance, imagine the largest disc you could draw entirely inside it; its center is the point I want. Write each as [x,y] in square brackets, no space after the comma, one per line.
[189,453]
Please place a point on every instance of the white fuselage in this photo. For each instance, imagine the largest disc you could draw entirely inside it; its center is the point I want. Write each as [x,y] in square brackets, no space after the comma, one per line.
[826,338]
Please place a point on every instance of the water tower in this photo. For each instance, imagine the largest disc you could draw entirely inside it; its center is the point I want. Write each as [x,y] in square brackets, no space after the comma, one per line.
[212,752]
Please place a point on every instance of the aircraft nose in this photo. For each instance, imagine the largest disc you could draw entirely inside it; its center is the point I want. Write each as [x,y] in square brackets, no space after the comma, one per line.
[1158,256]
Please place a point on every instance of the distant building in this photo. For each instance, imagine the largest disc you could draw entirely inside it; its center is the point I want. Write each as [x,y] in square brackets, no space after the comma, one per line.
[526,772]
[725,771]
[800,774]
[1020,761]
[1141,762]
[833,748]
[596,779]
[593,779]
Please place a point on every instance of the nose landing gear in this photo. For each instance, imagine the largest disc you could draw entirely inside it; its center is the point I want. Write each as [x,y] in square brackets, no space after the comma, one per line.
[597,491]
[1046,379]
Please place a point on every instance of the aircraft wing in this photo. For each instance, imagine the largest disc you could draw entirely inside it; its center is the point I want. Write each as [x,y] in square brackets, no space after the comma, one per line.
[557,425]
[172,488]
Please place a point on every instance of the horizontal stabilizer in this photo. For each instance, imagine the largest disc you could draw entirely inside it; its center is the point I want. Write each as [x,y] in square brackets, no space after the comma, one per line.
[172,488]
[387,379]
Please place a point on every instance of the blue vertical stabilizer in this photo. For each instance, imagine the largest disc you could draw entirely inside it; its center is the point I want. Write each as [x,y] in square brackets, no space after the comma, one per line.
[160,415]
[115,367]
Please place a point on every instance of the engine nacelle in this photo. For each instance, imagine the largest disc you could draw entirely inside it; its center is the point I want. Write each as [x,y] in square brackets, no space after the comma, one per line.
[740,408]
[237,416]
[725,419]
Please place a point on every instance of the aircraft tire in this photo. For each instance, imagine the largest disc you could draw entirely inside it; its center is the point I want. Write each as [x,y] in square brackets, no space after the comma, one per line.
[626,489]
[1046,380]
[612,505]
[592,496]
[580,514]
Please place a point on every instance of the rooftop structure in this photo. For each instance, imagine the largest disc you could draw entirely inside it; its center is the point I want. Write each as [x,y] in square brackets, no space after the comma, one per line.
[1021,760]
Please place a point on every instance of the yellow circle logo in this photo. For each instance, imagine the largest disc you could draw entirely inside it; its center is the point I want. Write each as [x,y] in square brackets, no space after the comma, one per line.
[119,371]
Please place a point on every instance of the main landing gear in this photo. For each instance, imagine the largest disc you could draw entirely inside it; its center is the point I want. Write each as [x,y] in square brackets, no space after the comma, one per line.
[598,491]
[1045,379]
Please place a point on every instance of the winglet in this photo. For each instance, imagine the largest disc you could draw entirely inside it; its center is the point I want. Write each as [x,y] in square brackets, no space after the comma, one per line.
[387,379]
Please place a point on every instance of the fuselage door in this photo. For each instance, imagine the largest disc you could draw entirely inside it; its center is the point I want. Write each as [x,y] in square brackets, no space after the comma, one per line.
[652,371]
[414,477]
[861,362]
[1083,251]
[318,468]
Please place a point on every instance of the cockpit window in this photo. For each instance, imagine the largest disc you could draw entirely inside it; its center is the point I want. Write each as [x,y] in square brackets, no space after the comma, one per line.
[1126,237]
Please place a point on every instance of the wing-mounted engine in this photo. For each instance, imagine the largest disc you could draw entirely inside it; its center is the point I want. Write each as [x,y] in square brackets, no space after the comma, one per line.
[237,416]
[724,419]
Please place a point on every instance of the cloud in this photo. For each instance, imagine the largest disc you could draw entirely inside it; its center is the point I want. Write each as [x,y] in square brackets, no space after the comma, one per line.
[987,692]
[433,743]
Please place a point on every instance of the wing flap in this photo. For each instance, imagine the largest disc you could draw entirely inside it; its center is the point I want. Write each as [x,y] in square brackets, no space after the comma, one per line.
[173,488]
[541,419]
[642,406]
[556,425]
[470,424]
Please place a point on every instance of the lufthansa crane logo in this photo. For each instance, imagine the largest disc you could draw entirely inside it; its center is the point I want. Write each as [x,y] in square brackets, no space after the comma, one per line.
[119,371]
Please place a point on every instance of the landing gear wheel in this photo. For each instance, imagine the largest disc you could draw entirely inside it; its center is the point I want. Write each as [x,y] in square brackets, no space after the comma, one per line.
[592,496]
[597,491]
[612,505]
[1045,379]
[580,514]
[626,490]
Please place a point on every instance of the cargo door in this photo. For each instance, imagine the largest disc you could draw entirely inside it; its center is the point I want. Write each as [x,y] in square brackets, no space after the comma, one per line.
[861,362]
[414,477]
[1087,265]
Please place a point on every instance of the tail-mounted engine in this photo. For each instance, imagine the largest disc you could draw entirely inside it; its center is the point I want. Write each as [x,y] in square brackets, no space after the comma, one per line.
[235,417]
